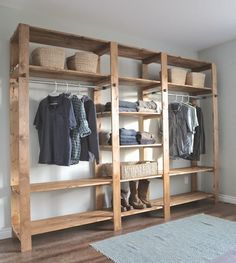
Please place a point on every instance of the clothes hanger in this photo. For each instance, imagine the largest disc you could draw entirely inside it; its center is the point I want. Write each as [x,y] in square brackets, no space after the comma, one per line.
[55,92]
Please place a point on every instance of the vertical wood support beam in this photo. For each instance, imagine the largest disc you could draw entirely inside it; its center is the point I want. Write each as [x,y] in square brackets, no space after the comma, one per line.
[215,119]
[24,180]
[194,183]
[14,128]
[99,196]
[165,121]
[141,119]
[115,135]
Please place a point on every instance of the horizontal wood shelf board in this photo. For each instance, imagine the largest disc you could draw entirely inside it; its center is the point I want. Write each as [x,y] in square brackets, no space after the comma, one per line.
[140,211]
[146,115]
[190,170]
[187,63]
[109,147]
[189,197]
[141,178]
[183,198]
[42,72]
[66,40]
[188,88]
[141,83]
[135,53]
[67,221]
[68,184]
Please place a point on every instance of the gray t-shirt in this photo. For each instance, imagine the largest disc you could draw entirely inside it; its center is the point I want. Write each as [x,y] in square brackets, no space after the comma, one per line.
[53,120]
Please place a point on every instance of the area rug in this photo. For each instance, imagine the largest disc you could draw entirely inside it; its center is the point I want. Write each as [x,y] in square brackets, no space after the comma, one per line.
[196,239]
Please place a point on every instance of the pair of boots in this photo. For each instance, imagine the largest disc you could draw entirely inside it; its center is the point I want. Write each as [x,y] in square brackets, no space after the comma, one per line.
[138,196]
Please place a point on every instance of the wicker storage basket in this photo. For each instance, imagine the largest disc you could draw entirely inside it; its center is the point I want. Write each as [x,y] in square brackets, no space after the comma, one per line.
[51,57]
[131,170]
[83,61]
[177,75]
[196,79]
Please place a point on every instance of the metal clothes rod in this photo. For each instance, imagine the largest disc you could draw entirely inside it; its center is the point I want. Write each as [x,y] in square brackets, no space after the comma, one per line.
[66,84]
[183,95]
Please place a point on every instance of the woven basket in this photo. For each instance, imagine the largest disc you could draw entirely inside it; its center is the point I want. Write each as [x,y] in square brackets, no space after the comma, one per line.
[177,75]
[196,79]
[130,170]
[51,57]
[83,61]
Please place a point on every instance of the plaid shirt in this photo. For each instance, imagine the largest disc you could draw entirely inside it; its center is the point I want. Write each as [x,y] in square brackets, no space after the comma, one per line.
[82,129]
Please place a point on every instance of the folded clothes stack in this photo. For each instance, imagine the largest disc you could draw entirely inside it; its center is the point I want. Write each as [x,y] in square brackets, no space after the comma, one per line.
[148,106]
[128,136]
[145,138]
[124,106]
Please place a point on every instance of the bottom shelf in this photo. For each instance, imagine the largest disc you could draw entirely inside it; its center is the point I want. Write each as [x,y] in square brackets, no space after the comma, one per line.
[67,221]
[179,199]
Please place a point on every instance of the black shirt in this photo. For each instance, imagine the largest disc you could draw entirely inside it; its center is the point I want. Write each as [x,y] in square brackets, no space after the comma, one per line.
[53,120]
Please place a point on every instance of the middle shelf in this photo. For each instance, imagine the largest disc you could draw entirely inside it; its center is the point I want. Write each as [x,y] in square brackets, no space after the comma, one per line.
[132,146]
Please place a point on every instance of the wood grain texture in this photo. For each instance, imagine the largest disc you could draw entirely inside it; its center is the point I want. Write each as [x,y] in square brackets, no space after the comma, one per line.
[72,245]
[66,184]
[144,115]
[165,137]
[190,170]
[66,40]
[215,118]
[99,195]
[23,108]
[115,135]
[137,146]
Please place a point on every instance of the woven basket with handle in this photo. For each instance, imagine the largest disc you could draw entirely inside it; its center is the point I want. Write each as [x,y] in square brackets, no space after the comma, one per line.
[196,79]
[83,61]
[131,170]
[51,57]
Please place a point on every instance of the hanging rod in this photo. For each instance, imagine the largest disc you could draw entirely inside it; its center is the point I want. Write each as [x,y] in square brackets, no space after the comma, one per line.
[66,83]
[199,97]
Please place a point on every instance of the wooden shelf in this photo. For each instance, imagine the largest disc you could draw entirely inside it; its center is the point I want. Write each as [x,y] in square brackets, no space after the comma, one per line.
[190,170]
[156,206]
[66,184]
[137,53]
[67,221]
[159,175]
[188,88]
[43,72]
[174,200]
[189,197]
[138,82]
[109,147]
[193,64]
[66,40]
[146,115]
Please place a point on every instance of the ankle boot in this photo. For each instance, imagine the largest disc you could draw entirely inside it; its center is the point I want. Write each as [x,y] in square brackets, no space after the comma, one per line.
[133,199]
[124,201]
[142,192]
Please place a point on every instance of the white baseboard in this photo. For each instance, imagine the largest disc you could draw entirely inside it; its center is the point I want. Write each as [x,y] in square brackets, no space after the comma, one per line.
[227,199]
[5,233]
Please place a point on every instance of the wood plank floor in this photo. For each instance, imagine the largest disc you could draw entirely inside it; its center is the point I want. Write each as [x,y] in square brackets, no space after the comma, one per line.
[72,245]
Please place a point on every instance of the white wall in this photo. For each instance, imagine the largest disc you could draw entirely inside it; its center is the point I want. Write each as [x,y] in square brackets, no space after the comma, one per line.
[224,56]
[56,203]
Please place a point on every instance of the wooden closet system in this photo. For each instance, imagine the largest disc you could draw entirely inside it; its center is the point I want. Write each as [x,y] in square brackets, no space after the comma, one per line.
[20,72]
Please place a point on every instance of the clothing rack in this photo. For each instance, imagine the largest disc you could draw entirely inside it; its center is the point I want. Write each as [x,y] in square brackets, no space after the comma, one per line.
[55,83]
[182,95]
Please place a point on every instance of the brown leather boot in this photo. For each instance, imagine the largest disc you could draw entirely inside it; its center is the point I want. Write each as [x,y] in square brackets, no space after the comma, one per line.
[124,201]
[133,199]
[142,192]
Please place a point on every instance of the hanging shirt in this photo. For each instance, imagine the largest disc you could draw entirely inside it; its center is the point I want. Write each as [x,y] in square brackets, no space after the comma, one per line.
[182,124]
[82,128]
[89,144]
[53,120]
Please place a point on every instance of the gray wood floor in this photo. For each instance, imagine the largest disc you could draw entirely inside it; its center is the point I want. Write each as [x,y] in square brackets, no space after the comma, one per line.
[72,245]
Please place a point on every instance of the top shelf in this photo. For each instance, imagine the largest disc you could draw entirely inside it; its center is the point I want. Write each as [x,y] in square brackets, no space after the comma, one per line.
[100,47]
